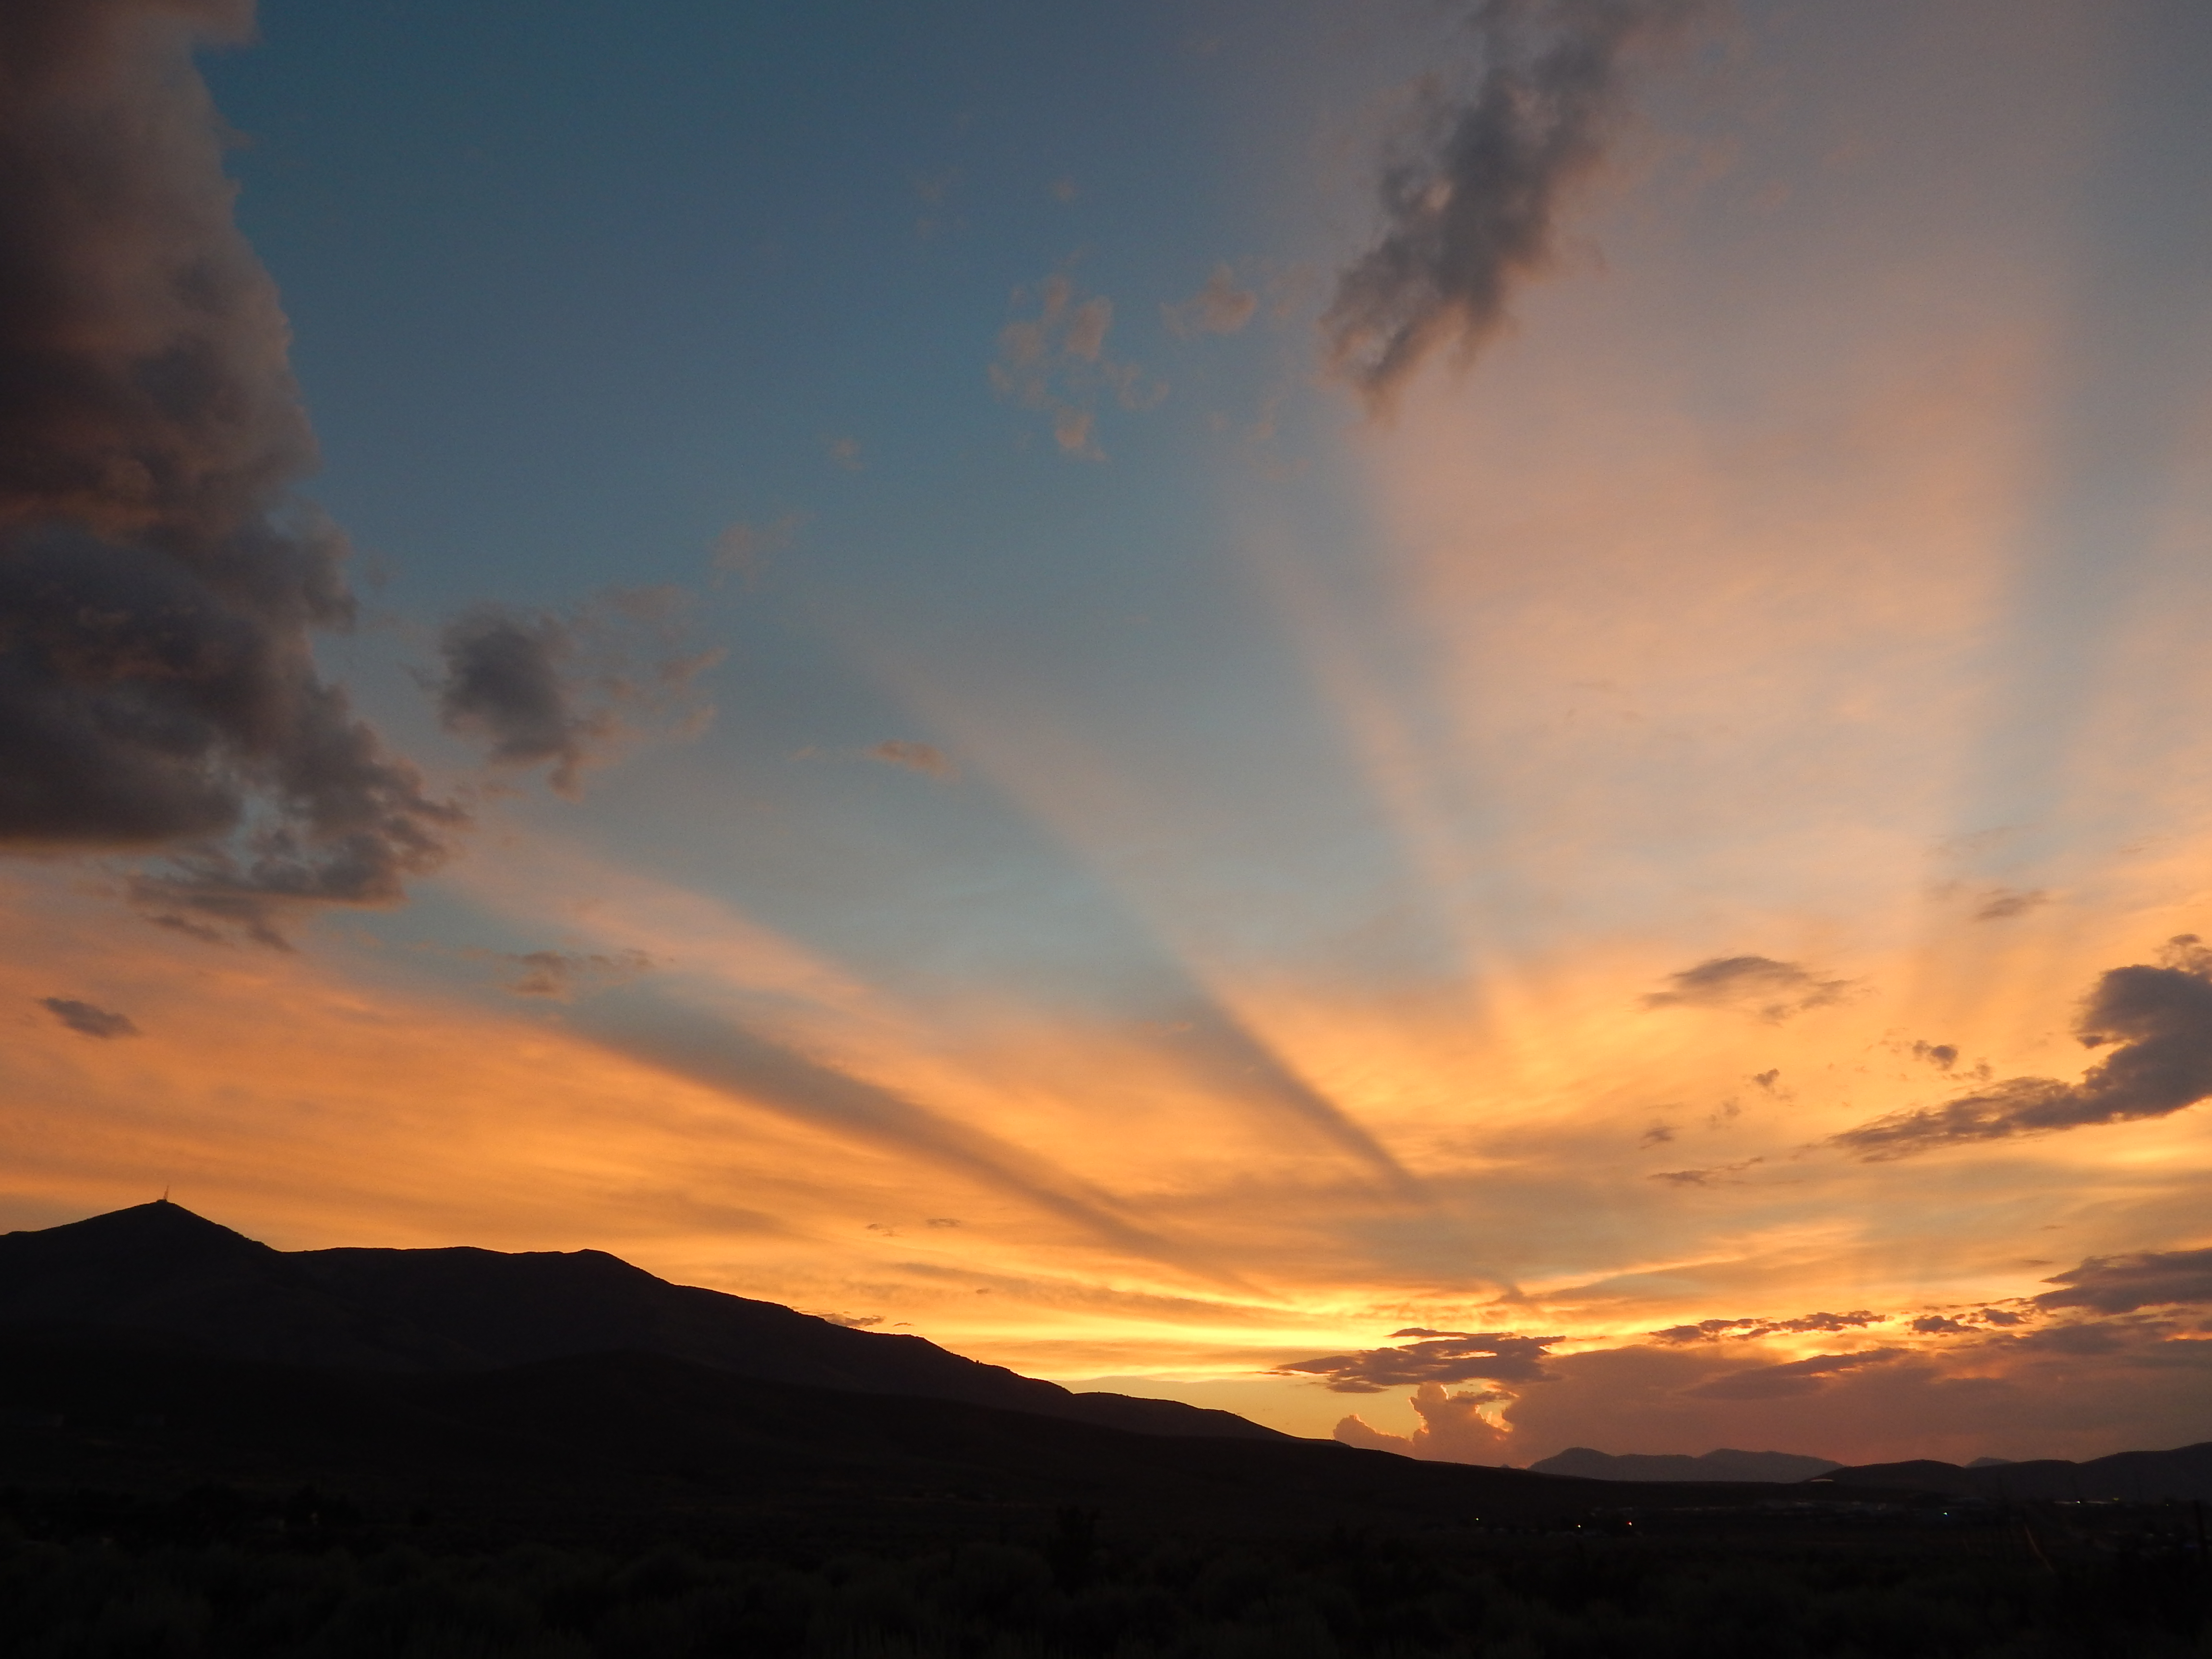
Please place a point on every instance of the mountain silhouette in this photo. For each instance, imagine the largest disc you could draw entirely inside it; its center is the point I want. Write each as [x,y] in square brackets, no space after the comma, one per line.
[2130,1477]
[1722,1465]
[158,1269]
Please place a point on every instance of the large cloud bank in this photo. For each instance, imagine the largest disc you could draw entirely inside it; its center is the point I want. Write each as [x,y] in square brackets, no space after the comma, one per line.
[159,583]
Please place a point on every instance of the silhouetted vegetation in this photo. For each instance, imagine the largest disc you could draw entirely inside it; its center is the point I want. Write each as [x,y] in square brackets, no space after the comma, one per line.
[216,1572]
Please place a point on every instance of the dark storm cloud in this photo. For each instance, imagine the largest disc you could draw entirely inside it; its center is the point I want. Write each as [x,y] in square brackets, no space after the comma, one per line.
[1451,1357]
[1760,985]
[2122,1283]
[158,584]
[1798,1377]
[2159,1017]
[539,687]
[1470,203]
[83,1017]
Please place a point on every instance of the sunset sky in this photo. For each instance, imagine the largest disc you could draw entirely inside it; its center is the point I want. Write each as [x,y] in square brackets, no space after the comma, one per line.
[1487,714]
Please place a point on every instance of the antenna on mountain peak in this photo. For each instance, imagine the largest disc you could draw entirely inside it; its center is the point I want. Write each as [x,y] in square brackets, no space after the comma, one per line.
[165,1195]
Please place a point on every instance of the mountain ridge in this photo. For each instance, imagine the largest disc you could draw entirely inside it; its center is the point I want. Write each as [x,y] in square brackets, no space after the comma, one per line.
[158,1269]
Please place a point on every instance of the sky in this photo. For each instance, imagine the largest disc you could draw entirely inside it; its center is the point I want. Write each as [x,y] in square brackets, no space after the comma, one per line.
[1476,724]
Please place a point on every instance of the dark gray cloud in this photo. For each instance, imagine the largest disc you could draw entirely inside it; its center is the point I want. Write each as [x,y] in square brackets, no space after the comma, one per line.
[2122,1283]
[1470,201]
[560,974]
[159,583]
[1759,986]
[539,688]
[1448,1356]
[1941,1055]
[2160,1019]
[1798,1377]
[1712,1330]
[83,1016]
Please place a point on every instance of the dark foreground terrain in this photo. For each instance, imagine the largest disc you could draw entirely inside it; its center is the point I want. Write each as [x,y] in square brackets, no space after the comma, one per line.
[208,1448]
[218,1572]
[158,1502]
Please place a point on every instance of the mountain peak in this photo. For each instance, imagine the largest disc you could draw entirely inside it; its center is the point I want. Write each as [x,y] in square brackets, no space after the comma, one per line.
[129,1233]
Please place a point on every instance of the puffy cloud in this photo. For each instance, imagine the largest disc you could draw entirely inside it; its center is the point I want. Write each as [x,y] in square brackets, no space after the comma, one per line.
[159,584]
[84,1018]
[1219,307]
[1469,205]
[1453,1429]
[1056,362]
[1446,1357]
[1797,1377]
[923,758]
[1773,991]
[539,687]
[2159,1017]
[560,974]
[2122,1283]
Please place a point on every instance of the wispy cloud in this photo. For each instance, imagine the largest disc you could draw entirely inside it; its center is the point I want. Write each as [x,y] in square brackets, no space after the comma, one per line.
[1795,1377]
[744,549]
[547,689]
[924,757]
[560,974]
[1471,201]
[1220,308]
[1447,1357]
[87,1019]
[1760,985]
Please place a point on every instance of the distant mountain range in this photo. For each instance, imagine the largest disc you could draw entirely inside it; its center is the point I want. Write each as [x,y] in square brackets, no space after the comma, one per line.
[1766,1467]
[159,1269]
[2134,1477]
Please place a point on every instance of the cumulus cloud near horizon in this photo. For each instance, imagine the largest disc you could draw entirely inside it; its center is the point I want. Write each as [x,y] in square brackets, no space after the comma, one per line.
[162,583]
[1472,197]
[1452,1430]
[2156,1019]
